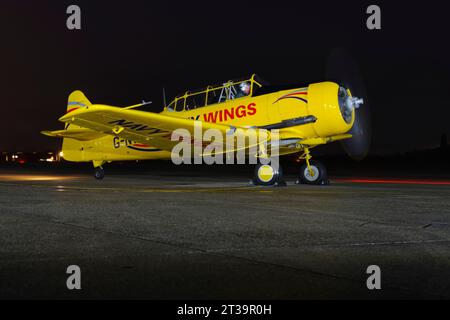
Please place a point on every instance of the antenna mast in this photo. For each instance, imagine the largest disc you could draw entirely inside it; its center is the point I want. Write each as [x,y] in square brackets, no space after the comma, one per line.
[164,97]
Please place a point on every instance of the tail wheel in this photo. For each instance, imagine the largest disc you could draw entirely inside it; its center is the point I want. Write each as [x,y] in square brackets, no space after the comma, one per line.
[315,174]
[99,173]
[267,175]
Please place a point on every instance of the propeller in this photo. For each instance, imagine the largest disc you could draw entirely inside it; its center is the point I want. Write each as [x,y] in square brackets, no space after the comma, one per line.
[342,69]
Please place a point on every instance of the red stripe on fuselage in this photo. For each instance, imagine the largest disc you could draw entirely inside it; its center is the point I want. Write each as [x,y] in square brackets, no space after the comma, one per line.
[292,94]
[295,93]
[73,109]
[140,145]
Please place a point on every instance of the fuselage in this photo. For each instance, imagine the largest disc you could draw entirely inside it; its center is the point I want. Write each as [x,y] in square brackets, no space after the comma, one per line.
[279,109]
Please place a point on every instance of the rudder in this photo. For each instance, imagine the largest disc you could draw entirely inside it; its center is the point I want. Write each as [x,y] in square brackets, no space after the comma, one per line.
[77,100]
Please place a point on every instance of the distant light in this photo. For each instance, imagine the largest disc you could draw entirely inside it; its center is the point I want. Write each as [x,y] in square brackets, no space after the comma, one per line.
[61,154]
[34,177]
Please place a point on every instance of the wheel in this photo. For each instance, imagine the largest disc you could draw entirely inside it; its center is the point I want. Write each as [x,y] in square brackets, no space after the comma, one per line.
[99,173]
[318,176]
[266,175]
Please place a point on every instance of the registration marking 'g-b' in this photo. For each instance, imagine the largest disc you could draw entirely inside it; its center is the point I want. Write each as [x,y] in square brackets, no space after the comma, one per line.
[134,126]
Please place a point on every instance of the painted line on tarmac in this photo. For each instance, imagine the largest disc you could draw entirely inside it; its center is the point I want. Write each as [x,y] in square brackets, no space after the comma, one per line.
[143,190]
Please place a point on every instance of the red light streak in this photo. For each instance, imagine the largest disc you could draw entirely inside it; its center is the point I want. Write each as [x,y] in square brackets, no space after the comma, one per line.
[394,181]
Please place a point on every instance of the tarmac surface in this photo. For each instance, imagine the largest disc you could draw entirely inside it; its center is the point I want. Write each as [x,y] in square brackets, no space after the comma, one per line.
[166,236]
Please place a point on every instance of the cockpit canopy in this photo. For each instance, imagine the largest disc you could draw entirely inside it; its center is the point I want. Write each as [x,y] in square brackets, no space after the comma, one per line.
[230,90]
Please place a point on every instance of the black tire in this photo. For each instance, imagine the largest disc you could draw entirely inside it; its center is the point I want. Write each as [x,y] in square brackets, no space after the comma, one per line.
[99,173]
[320,176]
[262,179]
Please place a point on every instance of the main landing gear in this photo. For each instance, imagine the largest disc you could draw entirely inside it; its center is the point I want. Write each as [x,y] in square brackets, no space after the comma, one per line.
[312,172]
[99,173]
[268,175]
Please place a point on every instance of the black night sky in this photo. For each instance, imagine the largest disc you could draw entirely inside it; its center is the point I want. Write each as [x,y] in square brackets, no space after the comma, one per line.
[128,50]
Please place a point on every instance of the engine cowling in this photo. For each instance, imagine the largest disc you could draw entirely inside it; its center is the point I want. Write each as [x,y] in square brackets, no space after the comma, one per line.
[333,106]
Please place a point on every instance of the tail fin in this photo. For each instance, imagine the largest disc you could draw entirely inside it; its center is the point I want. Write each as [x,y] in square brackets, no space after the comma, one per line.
[77,100]
[76,139]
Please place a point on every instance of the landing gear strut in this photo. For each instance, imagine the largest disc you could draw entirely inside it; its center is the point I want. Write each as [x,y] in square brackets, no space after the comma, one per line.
[312,172]
[99,173]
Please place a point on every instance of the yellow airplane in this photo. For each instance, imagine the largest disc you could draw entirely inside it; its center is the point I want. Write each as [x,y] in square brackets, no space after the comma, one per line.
[305,116]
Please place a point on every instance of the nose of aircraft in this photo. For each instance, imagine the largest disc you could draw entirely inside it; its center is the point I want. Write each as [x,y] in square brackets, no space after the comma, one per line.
[342,69]
[348,103]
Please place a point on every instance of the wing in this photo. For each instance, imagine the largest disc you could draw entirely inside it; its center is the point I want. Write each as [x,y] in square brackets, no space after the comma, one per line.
[150,128]
[81,134]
